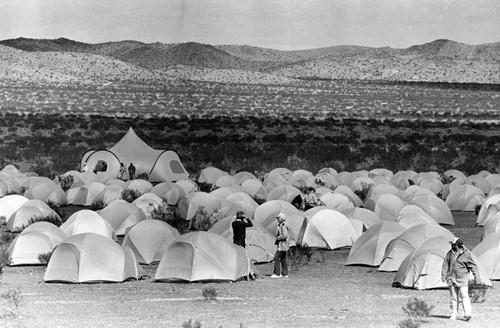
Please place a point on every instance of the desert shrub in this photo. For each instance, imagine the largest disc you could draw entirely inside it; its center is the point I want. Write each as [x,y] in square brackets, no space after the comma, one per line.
[168,214]
[409,323]
[294,162]
[44,257]
[203,220]
[56,208]
[56,220]
[417,308]
[97,205]
[5,240]
[477,293]
[143,176]
[209,293]
[299,255]
[191,324]
[129,195]
[65,181]
[11,300]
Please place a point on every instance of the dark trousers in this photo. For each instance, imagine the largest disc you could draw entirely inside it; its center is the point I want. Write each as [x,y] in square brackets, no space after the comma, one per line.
[239,242]
[280,263]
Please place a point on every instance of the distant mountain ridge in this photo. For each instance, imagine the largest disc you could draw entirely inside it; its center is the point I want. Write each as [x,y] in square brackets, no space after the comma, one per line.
[437,61]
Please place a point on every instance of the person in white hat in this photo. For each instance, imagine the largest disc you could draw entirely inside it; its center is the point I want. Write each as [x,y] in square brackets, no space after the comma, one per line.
[280,261]
[455,272]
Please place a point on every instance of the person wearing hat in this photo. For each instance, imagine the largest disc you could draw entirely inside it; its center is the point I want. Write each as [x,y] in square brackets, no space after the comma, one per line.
[239,228]
[310,199]
[280,262]
[457,264]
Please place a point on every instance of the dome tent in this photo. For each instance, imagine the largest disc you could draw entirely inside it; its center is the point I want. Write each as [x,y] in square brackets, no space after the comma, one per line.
[160,165]
[203,256]
[88,257]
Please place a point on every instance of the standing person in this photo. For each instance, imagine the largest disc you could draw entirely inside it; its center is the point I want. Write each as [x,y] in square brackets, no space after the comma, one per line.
[280,262]
[310,200]
[455,272]
[122,175]
[131,171]
[239,228]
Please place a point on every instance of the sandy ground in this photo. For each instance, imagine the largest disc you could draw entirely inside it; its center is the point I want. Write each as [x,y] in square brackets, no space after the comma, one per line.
[323,293]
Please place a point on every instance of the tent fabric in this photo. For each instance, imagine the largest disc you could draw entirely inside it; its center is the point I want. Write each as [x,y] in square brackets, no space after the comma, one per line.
[488,252]
[434,207]
[369,248]
[47,192]
[329,229]
[147,203]
[254,188]
[110,193]
[88,221]
[400,247]
[40,237]
[89,258]
[287,193]
[259,242]
[140,185]
[366,216]
[121,215]
[188,207]
[490,207]
[421,269]
[465,198]
[203,256]
[149,239]
[411,215]
[386,206]
[84,195]
[160,165]
[491,226]
[336,201]
[169,191]
[29,212]
[9,204]
[211,174]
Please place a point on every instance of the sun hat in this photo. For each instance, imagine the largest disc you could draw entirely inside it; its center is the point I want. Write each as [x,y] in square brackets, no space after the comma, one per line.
[281,216]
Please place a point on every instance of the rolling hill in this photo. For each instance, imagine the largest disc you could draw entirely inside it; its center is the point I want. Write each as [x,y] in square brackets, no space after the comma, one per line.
[436,61]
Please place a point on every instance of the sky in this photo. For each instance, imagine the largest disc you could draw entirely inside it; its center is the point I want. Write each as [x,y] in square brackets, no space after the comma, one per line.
[278,24]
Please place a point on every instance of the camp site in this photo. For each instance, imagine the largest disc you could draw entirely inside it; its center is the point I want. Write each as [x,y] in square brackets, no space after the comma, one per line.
[87,246]
[159,161]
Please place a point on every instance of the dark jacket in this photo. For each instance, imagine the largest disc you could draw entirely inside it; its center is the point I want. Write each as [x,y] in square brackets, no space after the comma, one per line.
[239,230]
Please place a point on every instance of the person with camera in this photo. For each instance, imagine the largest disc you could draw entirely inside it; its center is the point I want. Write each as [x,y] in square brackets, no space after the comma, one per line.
[455,272]
[282,243]
[239,228]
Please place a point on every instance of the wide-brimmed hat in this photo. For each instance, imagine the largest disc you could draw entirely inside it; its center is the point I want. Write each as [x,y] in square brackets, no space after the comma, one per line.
[240,214]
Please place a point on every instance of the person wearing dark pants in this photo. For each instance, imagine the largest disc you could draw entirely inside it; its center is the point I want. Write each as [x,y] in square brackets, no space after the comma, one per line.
[239,228]
[282,243]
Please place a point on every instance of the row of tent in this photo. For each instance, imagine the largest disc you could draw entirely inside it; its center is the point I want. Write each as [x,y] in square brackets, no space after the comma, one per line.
[400,201]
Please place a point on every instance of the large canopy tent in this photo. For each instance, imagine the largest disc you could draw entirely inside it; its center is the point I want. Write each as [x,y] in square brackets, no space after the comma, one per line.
[160,165]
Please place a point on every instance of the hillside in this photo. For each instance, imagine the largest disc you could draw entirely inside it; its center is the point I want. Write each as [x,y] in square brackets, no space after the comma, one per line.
[436,61]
